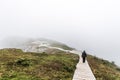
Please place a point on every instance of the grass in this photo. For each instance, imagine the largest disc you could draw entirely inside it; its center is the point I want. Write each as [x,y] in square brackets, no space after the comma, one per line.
[103,69]
[53,65]
[63,46]
[18,65]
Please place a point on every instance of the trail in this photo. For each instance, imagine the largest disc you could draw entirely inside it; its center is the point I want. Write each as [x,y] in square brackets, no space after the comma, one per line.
[83,71]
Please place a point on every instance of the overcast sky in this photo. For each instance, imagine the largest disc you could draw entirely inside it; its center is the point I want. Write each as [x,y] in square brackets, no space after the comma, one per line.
[93,25]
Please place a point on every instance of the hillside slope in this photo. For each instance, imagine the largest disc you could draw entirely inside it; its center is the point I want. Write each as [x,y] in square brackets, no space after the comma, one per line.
[51,64]
[55,65]
[103,69]
[43,45]
[34,45]
[18,65]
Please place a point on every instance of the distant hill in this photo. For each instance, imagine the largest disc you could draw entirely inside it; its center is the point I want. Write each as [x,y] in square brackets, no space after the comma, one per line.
[103,69]
[34,45]
[43,45]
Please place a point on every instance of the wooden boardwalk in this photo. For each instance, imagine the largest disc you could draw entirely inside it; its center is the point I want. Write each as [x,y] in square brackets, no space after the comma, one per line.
[83,71]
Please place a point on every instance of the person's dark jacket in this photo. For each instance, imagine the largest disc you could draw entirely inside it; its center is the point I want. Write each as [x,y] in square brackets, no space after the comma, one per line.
[84,54]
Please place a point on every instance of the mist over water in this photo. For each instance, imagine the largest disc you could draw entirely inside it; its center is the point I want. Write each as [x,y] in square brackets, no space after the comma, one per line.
[81,24]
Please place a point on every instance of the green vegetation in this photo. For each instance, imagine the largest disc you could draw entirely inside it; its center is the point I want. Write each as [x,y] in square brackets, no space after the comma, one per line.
[60,45]
[56,44]
[104,70]
[53,65]
[18,65]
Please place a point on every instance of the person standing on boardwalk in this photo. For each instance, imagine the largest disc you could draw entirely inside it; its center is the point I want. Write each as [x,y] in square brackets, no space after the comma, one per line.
[84,55]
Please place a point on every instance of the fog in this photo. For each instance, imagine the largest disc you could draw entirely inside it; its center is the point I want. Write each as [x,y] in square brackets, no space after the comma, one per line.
[91,25]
